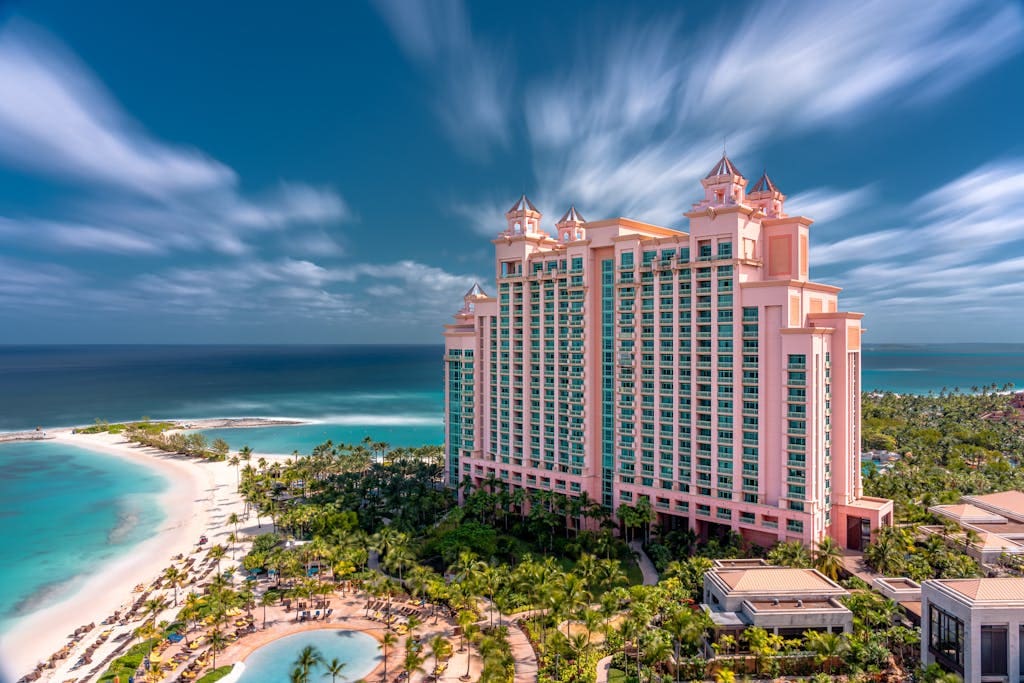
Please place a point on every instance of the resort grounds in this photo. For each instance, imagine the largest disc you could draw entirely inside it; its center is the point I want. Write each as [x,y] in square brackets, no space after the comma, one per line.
[77,639]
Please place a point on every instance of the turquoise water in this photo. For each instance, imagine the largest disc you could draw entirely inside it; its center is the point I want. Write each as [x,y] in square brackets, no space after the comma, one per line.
[274,662]
[63,510]
[304,438]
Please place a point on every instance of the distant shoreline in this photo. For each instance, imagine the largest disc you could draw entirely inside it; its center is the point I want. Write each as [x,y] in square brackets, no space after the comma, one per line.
[193,424]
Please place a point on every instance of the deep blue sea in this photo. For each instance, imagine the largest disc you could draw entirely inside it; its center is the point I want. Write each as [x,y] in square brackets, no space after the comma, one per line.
[63,509]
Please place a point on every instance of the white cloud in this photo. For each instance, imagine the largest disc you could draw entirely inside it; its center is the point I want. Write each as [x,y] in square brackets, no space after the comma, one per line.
[640,111]
[826,204]
[472,78]
[56,118]
[144,195]
[958,254]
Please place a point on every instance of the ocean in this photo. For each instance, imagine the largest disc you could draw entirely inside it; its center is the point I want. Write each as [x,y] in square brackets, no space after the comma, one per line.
[55,528]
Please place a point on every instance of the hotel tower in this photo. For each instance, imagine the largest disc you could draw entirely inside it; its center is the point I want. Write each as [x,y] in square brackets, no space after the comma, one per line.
[702,370]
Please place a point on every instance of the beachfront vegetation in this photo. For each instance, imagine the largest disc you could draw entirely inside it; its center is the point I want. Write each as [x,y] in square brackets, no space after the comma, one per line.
[144,425]
[127,664]
[948,445]
[215,675]
[193,445]
[380,520]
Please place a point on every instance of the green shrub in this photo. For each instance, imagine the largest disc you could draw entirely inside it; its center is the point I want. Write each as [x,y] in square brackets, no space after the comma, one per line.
[127,664]
[215,675]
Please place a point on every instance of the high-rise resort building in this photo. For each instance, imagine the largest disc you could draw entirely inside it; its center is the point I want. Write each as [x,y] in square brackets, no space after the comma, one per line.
[702,370]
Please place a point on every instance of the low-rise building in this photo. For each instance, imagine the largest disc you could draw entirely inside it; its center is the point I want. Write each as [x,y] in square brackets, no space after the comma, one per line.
[782,600]
[974,627]
[990,525]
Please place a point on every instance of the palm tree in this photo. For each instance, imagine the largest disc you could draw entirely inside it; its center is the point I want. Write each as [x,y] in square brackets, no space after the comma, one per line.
[235,461]
[413,661]
[308,658]
[175,577]
[828,558]
[217,643]
[217,554]
[465,619]
[334,669]
[826,646]
[440,648]
[153,607]
[388,639]
[790,554]
[472,632]
[266,600]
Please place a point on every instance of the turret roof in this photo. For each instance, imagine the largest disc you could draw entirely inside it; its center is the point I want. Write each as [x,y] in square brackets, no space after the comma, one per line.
[724,167]
[764,184]
[572,216]
[523,204]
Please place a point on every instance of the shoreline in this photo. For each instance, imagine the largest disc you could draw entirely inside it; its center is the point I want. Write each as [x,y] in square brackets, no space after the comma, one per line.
[41,434]
[199,498]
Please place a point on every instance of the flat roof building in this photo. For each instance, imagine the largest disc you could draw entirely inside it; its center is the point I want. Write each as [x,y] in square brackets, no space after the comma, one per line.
[702,370]
[782,600]
[974,627]
[991,525]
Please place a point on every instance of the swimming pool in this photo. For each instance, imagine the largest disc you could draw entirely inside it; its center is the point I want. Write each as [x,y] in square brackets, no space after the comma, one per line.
[274,662]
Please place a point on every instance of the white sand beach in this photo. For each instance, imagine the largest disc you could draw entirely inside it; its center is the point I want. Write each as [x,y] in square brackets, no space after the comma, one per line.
[198,500]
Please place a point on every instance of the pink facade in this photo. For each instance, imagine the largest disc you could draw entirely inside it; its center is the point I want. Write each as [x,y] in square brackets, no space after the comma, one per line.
[701,370]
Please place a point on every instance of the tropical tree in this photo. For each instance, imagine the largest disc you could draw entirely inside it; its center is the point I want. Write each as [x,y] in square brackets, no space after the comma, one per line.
[175,577]
[828,558]
[266,600]
[334,668]
[413,660]
[217,642]
[217,554]
[308,658]
[388,639]
[827,647]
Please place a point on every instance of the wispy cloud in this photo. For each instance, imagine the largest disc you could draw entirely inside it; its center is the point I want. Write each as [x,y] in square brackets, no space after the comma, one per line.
[56,118]
[966,239]
[472,78]
[624,129]
[140,194]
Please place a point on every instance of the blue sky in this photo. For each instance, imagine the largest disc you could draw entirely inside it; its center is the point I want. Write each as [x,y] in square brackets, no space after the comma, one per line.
[204,172]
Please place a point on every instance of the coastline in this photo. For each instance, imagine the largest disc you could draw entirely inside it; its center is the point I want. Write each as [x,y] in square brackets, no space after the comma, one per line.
[179,423]
[198,500]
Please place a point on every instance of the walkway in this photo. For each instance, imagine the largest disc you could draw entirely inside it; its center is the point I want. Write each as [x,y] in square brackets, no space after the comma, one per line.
[853,562]
[646,566]
[603,667]
[522,652]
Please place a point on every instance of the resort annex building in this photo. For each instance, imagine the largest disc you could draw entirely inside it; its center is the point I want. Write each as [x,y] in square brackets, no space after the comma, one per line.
[702,370]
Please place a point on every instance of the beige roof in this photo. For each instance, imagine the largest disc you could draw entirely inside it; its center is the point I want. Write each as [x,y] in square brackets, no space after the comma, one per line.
[991,541]
[965,512]
[1010,501]
[774,579]
[988,590]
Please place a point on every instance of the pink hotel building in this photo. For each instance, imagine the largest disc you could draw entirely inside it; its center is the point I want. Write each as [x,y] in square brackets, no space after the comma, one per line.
[702,370]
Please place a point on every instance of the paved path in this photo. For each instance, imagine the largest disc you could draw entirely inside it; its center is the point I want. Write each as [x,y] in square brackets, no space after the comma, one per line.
[646,566]
[603,667]
[854,563]
[522,652]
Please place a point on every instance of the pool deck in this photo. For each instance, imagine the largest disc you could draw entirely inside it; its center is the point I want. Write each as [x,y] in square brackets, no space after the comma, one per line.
[349,617]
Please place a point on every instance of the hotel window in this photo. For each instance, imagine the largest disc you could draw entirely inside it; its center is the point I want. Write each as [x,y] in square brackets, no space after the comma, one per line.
[946,638]
[725,250]
[993,651]
[626,259]
[704,247]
